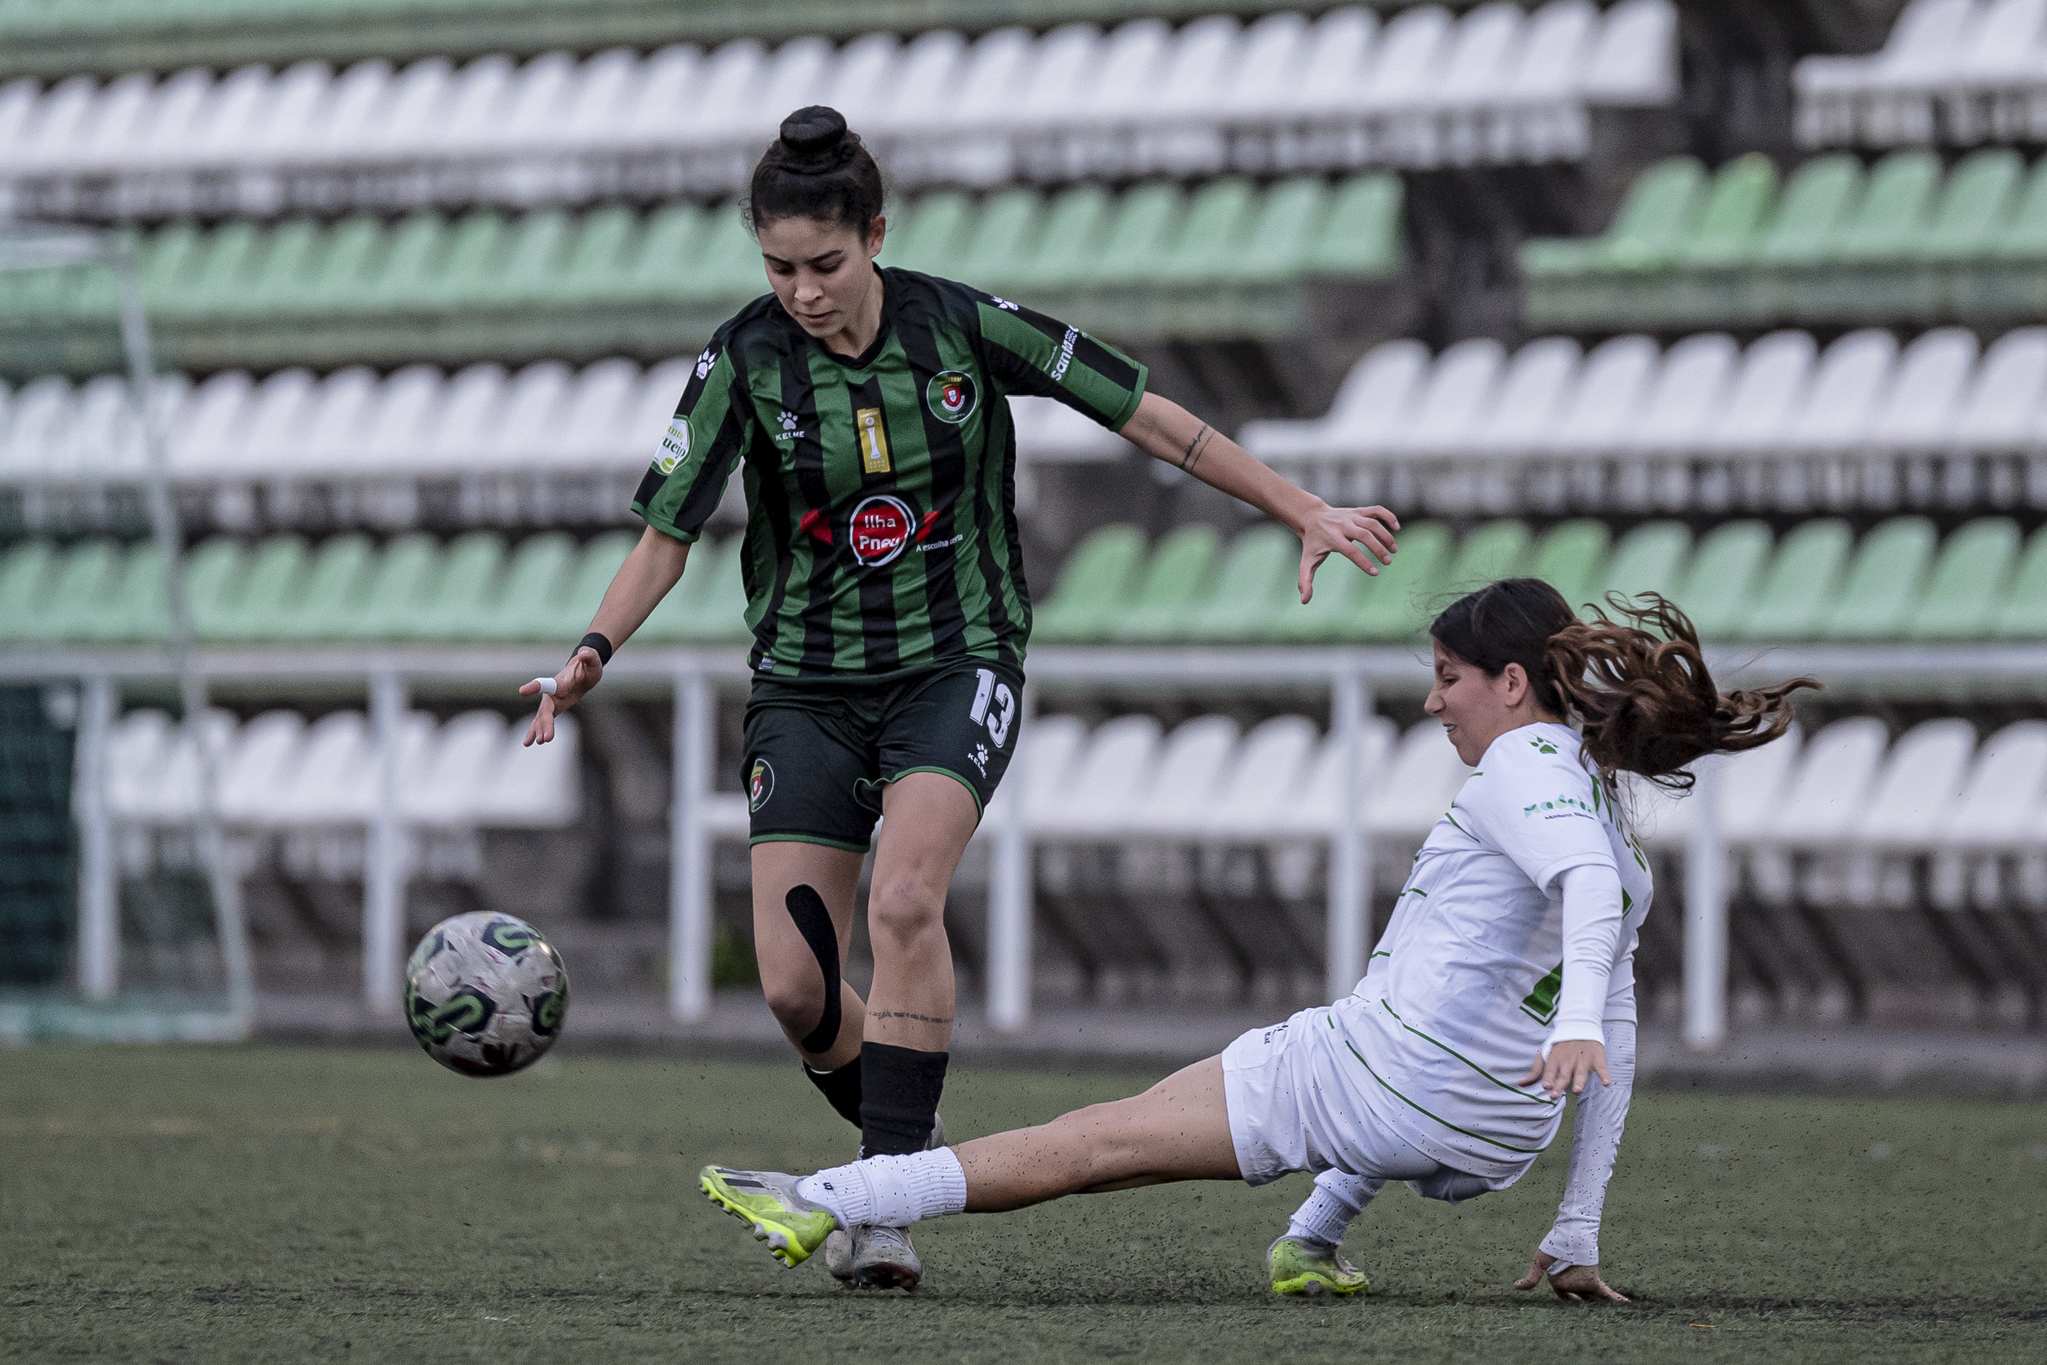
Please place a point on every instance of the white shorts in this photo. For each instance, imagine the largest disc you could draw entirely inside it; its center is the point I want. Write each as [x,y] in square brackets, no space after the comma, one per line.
[1295,1105]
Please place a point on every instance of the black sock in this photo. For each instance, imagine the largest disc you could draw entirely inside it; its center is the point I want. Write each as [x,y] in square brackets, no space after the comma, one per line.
[841,1089]
[900,1088]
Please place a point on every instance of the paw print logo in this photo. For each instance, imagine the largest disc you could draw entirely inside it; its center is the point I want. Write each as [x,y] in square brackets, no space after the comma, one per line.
[705,361]
[1004,304]
[980,758]
[788,421]
[1542,746]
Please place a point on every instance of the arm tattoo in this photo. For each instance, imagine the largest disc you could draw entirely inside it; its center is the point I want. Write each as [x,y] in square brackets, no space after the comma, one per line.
[1194,448]
[904,1014]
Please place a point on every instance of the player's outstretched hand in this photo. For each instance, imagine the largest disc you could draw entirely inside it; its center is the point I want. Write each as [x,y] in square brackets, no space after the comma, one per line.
[1570,1064]
[1578,1284]
[1340,530]
[577,677]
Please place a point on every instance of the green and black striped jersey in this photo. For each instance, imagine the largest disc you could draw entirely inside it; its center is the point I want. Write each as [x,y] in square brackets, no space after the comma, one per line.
[881,526]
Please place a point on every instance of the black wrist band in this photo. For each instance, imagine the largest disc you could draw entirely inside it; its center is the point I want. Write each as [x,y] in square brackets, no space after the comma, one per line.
[597,642]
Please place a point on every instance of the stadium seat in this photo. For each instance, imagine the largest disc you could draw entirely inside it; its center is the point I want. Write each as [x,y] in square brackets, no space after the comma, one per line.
[1650,558]
[1800,586]
[1093,589]
[1173,588]
[1718,589]
[2023,615]
[1922,780]
[2000,806]
[1829,792]
[1395,605]
[1882,582]
[1571,557]
[1254,586]
[1967,583]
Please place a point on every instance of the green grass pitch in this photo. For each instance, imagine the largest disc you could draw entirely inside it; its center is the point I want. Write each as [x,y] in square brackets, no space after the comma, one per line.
[265,1203]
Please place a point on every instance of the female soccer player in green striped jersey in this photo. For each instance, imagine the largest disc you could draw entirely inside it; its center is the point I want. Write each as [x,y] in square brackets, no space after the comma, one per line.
[885,591]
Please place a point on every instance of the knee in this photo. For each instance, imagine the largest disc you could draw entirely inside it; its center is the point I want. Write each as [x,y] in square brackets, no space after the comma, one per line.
[904,910]
[795,998]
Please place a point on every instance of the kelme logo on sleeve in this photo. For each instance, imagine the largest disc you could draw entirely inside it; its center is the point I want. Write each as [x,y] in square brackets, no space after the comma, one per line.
[674,446]
[951,395]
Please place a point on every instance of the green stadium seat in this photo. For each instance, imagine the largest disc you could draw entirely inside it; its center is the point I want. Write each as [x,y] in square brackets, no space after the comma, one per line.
[471,266]
[402,585]
[1215,232]
[24,576]
[1403,599]
[1003,239]
[536,574]
[934,240]
[1718,588]
[2024,232]
[1363,237]
[728,266]
[406,269]
[597,259]
[1146,221]
[225,261]
[280,279]
[1285,227]
[1174,585]
[1650,558]
[354,250]
[661,262]
[675,619]
[568,615]
[2023,614]
[1255,582]
[468,588]
[1975,208]
[1492,551]
[1816,204]
[1095,584]
[336,581]
[1648,230]
[1883,581]
[1893,216]
[275,581]
[1570,556]
[217,573]
[530,269]
[139,609]
[1075,222]
[1967,584]
[721,611]
[1804,578]
[75,599]
[1735,209]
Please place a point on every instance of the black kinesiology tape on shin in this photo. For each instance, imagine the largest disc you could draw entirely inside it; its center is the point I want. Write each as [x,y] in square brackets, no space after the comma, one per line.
[814,922]
[899,1087]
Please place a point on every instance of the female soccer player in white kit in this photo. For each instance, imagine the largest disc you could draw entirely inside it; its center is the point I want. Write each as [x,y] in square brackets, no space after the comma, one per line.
[1503,975]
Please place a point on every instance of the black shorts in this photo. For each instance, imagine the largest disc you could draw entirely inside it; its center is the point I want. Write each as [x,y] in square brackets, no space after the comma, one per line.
[819,753]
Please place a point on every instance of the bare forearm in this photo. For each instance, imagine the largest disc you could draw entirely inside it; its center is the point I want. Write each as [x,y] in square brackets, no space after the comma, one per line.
[1168,432]
[649,572]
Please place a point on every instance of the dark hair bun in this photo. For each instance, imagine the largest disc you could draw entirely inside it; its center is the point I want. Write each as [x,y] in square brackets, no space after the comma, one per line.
[815,140]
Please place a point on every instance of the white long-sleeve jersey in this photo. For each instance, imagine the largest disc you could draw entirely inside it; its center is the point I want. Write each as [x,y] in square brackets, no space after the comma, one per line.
[1481,968]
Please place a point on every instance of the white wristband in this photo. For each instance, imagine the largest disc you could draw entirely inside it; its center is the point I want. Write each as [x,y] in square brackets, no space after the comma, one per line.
[547,686]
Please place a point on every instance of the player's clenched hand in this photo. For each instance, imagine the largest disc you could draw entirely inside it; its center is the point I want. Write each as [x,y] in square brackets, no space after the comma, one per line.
[1340,530]
[1569,1065]
[577,677]
[1578,1283]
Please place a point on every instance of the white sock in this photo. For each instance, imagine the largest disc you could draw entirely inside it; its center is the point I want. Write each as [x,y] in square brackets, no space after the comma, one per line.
[1325,1215]
[890,1191]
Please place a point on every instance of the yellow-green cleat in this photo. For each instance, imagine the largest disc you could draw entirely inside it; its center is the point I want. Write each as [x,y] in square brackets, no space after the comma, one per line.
[767,1202]
[1298,1271]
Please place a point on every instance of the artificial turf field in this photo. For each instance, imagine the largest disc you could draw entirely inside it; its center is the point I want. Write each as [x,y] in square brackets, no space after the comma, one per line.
[266,1203]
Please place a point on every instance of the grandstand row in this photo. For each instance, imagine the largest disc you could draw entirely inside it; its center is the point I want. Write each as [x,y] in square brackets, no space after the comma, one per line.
[1901,581]
[1281,94]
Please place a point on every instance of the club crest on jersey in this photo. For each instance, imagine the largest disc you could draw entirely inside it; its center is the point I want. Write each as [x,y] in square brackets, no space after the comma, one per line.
[951,395]
[880,529]
[760,784]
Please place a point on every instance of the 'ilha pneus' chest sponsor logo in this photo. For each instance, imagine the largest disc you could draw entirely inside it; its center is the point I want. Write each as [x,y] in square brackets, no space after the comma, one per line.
[951,395]
[880,529]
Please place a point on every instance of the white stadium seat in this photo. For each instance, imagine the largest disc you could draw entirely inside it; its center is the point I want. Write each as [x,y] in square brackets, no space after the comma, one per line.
[1842,402]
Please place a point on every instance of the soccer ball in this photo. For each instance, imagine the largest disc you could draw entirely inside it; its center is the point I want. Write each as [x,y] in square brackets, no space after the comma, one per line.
[485,994]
